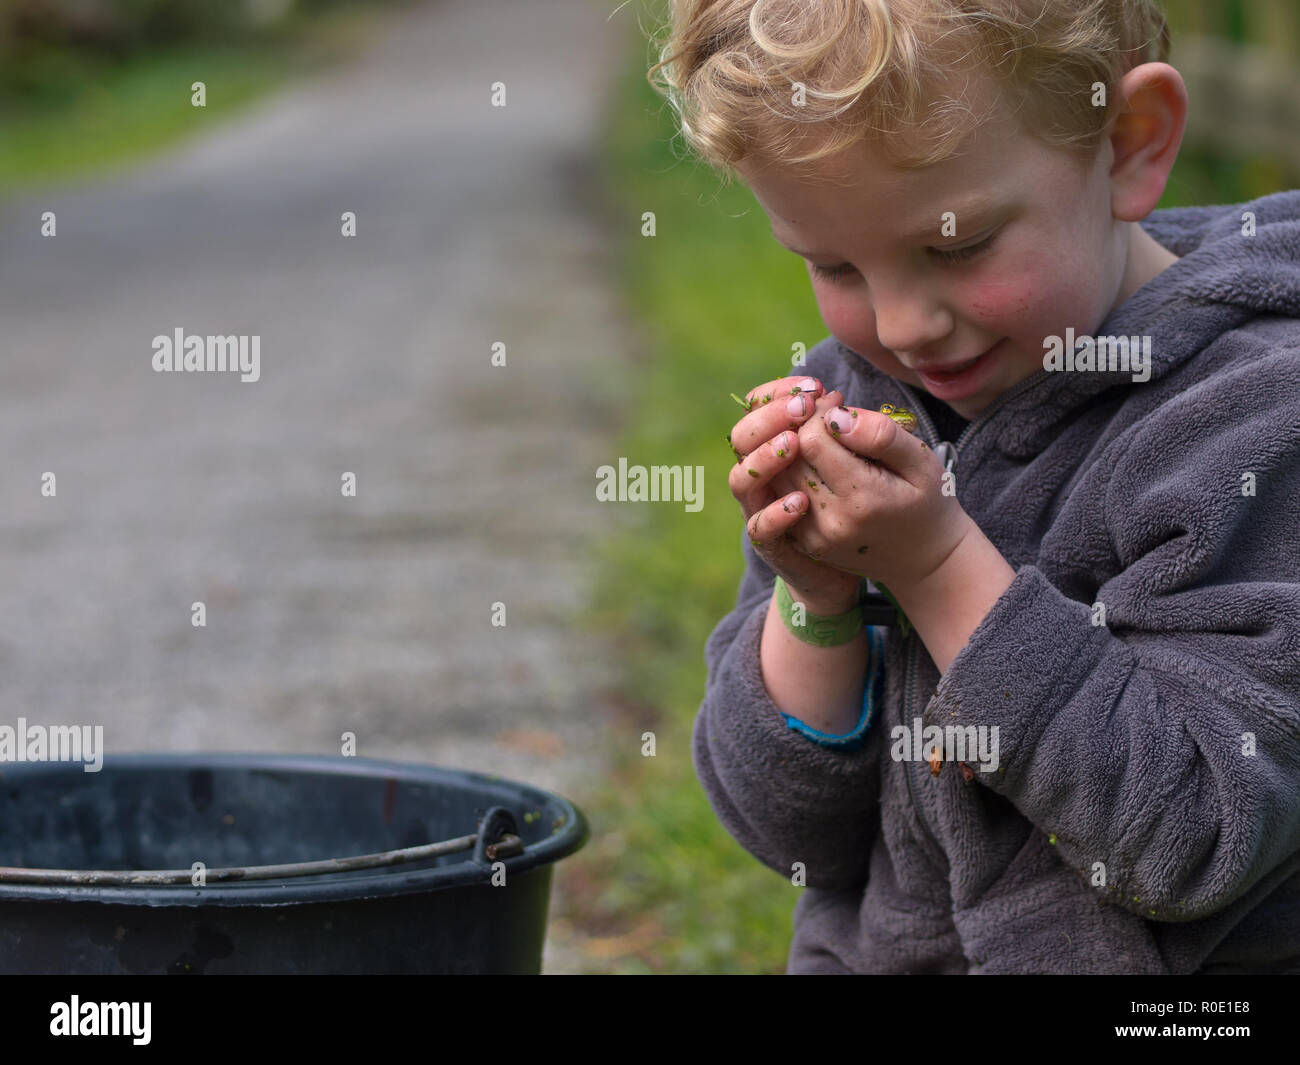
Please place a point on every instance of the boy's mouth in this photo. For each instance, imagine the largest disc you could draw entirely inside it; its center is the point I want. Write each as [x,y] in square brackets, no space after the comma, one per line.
[960,379]
[950,371]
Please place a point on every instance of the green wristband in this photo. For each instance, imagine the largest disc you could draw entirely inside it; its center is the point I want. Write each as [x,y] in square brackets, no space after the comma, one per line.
[817,629]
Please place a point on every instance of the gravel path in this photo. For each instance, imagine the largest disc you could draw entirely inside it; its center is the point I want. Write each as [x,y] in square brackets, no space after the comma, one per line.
[328,614]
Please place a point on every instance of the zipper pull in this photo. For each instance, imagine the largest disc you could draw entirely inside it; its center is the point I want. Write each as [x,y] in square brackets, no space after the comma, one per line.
[947,455]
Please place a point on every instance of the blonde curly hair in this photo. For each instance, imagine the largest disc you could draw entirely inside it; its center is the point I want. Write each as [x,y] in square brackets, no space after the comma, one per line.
[791,82]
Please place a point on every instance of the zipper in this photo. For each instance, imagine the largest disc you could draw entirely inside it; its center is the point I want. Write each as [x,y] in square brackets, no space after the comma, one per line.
[948,454]
[915,405]
[908,670]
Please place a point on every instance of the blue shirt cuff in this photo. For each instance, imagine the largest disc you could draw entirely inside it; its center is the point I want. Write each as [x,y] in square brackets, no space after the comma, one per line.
[871,695]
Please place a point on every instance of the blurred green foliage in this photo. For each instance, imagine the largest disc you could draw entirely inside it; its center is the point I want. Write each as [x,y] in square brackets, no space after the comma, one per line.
[53,51]
[1241,62]
[88,85]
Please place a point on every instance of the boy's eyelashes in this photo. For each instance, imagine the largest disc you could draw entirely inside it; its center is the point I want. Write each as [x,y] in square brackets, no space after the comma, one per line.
[831,273]
[944,255]
[968,251]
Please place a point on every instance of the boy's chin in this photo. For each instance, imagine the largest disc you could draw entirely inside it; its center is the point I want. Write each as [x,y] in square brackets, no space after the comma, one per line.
[969,408]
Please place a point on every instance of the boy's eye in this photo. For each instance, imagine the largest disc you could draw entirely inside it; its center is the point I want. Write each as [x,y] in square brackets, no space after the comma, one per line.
[831,273]
[958,255]
[944,255]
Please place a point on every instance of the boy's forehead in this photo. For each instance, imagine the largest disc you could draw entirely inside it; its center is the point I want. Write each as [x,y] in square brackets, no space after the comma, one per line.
[990,163]
[878,198]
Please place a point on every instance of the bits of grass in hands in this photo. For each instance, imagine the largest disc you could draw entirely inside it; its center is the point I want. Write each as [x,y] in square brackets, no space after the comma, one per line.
[739,457]
[817,473]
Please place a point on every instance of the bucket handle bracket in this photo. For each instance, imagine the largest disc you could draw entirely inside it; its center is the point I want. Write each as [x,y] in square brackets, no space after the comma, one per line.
[498,837]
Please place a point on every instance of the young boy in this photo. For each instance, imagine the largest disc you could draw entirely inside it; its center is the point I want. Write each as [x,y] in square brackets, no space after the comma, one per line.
[1082,753]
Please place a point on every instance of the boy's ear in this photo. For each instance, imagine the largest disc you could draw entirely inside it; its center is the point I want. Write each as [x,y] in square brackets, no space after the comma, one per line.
[1145,135]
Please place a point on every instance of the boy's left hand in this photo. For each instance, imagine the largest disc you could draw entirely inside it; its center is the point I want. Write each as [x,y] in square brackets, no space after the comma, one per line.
[878,509]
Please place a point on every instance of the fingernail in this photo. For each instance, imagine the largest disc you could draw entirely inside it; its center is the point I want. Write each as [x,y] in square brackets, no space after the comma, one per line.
[790,503]
[781,445]
[840,420]
[808,384]
[797,406]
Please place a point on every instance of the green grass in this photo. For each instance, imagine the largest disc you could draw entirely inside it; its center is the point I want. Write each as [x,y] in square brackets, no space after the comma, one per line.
[129,113]
[94,115]
[662,886]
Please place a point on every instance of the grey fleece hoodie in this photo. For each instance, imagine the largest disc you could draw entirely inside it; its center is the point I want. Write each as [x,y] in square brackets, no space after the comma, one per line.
[1145,814]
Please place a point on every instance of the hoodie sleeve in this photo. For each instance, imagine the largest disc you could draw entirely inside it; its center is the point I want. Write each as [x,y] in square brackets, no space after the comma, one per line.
[1163,743]
[784,798]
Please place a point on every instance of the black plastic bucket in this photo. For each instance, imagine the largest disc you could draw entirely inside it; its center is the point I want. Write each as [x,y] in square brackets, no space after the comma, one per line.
[479,905]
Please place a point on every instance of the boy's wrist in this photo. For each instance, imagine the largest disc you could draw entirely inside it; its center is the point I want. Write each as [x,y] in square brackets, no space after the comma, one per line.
[947,606]
[814,627]
[825,604]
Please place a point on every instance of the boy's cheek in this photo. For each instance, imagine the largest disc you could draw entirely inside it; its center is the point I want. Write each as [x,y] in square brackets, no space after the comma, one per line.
[856,330]
[842,316]
[1024,279]
[1038,282]
[997,301]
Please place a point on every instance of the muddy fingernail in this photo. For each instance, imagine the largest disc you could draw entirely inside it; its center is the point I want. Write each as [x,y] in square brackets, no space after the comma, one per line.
[797,406]
[840,420]
[781,445]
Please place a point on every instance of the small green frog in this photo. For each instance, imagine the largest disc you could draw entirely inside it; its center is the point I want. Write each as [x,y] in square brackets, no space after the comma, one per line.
[900,416]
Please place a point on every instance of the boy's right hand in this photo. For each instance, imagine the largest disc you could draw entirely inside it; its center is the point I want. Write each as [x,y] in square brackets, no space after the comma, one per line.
[767,438]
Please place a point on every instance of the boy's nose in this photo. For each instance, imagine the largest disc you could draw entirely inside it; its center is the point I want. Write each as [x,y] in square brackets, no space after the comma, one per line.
[908,321]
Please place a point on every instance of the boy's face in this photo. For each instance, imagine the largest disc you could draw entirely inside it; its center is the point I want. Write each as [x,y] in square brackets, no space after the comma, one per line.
[1034,249]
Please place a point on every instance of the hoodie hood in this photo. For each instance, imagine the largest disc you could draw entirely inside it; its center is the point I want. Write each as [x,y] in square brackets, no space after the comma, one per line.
[1225,276]
[1259,272]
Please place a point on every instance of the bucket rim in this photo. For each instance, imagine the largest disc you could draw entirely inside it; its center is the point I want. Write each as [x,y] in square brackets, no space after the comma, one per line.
[383,881]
